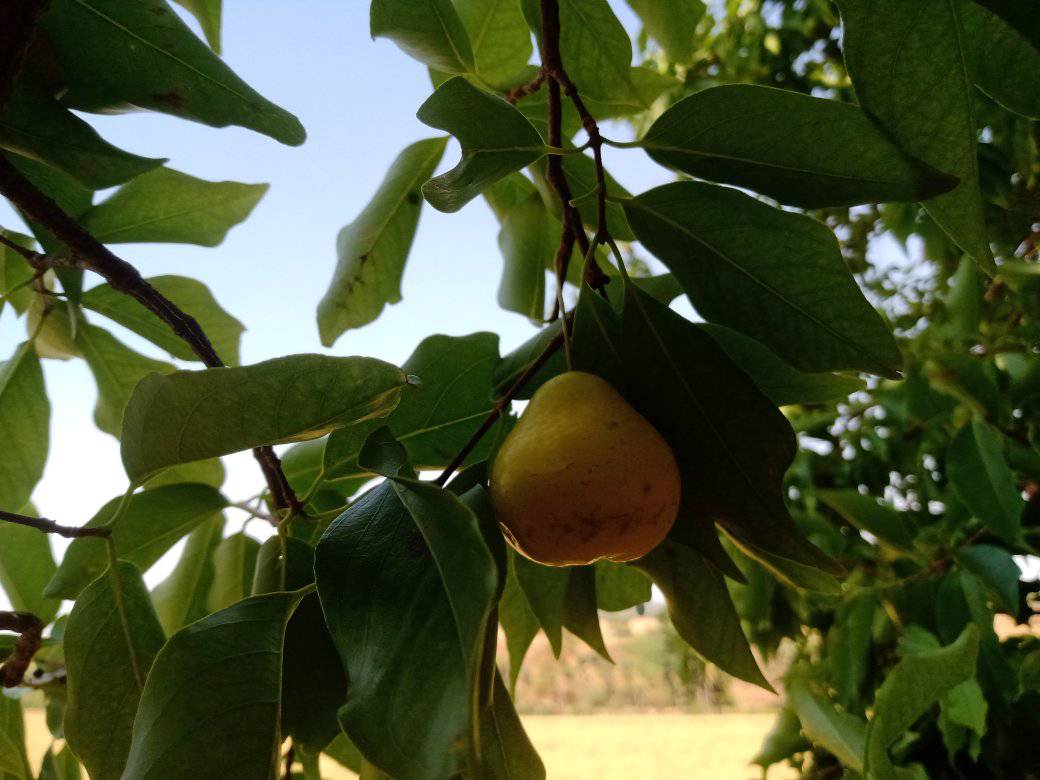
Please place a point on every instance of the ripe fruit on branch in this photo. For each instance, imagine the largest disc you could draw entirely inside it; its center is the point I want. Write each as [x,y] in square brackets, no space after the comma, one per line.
[584,477]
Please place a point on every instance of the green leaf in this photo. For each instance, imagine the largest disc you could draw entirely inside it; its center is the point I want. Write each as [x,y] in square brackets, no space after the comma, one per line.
[840,733]
[848,646]
[117,369]
[519,623]
[777,380]
[783,740]
[500,38]
[418,567]
[1022,15]
[10,758]
[111,640]
[25,420]
[436,418]
[979,473]
[866,513]
[314,685]
[545,588]
[581,176]
[506,750]
[372,249]
[1005,65]
[15,272]
[427,30]
[26,565]
[187,294]
[206,472]
[795,296]
[114,54]
[597,52]
[933,76]
[580,610]
[192,415]
[60,766]
[169,207]
[997,568]
[218,677]
[12,738]
[731,443]
[180,599]
[673,24]
[526,241]
[496,140]
[208,13]
[151,524]
[801,150]
[701,610]
[620,587]
[36,126]
[234,566]
[910,688]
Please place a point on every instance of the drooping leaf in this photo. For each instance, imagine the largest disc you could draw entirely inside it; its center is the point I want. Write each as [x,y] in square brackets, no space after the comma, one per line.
[117,369]
[1004,64]
[26,565]
[545,588]
[169,207]
[527,243]
[189,295]
[111,640]
[500,39]
[15,273]
[417,567]
[891,527]
[115,54]
[234,566]
[25,420]
[581,611]
[192,415]
[701,610]
[777,380]
[979,472]
[731,443]
[776,276]
[933,76]
[428,30]
[208,13]
[840,733]
[496,140]
[801,150]
[673,24]
[214,693]
[519,622]
[372,249]
[910,688]
[506,750]
[997,569]
[620,587]
[180,599]
[36,126]
[150,525]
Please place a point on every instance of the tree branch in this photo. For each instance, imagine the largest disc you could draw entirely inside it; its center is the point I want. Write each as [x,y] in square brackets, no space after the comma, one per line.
[30,630]
[50,527]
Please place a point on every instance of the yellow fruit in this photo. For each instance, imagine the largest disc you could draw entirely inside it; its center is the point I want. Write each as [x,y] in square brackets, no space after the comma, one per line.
[584,477]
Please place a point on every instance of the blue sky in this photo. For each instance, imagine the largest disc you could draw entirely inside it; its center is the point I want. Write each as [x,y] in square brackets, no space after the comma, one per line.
[357,98]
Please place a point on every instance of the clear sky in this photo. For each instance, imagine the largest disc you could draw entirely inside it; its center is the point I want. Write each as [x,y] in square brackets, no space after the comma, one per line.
[357,99]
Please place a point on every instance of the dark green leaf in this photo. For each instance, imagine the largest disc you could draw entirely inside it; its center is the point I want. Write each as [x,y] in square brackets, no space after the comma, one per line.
[151,524]
[849,642]
[111,640]
[620,587]
[38,127]
[581,176]
[417,567]
[141,54]
[840,733]
[933,75]
[527,242]
[545,588]
[801,150]
[60,766]
[169,207]
[979,472]
[496,140]
[777,380]
[519,623]
[795,296]
[26,565]
[500,38]
[193,415]
[731,443]
[117,369]
[1022,15]
[783,740]
[187,294]
[1004,64]
[234,566]
[700,608]
[180,599]
[580,610]
[673,24]
[214,694]
[866,513]
[428,30]
[995,567]
[506,750]
[372,249]
[910,688]
[25,420]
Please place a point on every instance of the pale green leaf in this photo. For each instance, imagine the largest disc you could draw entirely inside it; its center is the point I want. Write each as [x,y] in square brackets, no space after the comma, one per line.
[838,732]
[500,39]
[180,599]
[208,13]
[234,566]
[25,421]
[673,24]
[527,242]
[26,565]
[428,30]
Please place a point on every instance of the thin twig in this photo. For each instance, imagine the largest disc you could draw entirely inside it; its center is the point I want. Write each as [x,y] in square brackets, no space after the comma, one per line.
[30,630]
[518,93]
[50,527]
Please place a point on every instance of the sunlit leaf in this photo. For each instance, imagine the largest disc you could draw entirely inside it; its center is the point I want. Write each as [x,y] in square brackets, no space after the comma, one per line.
[26,565]
[500,39]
